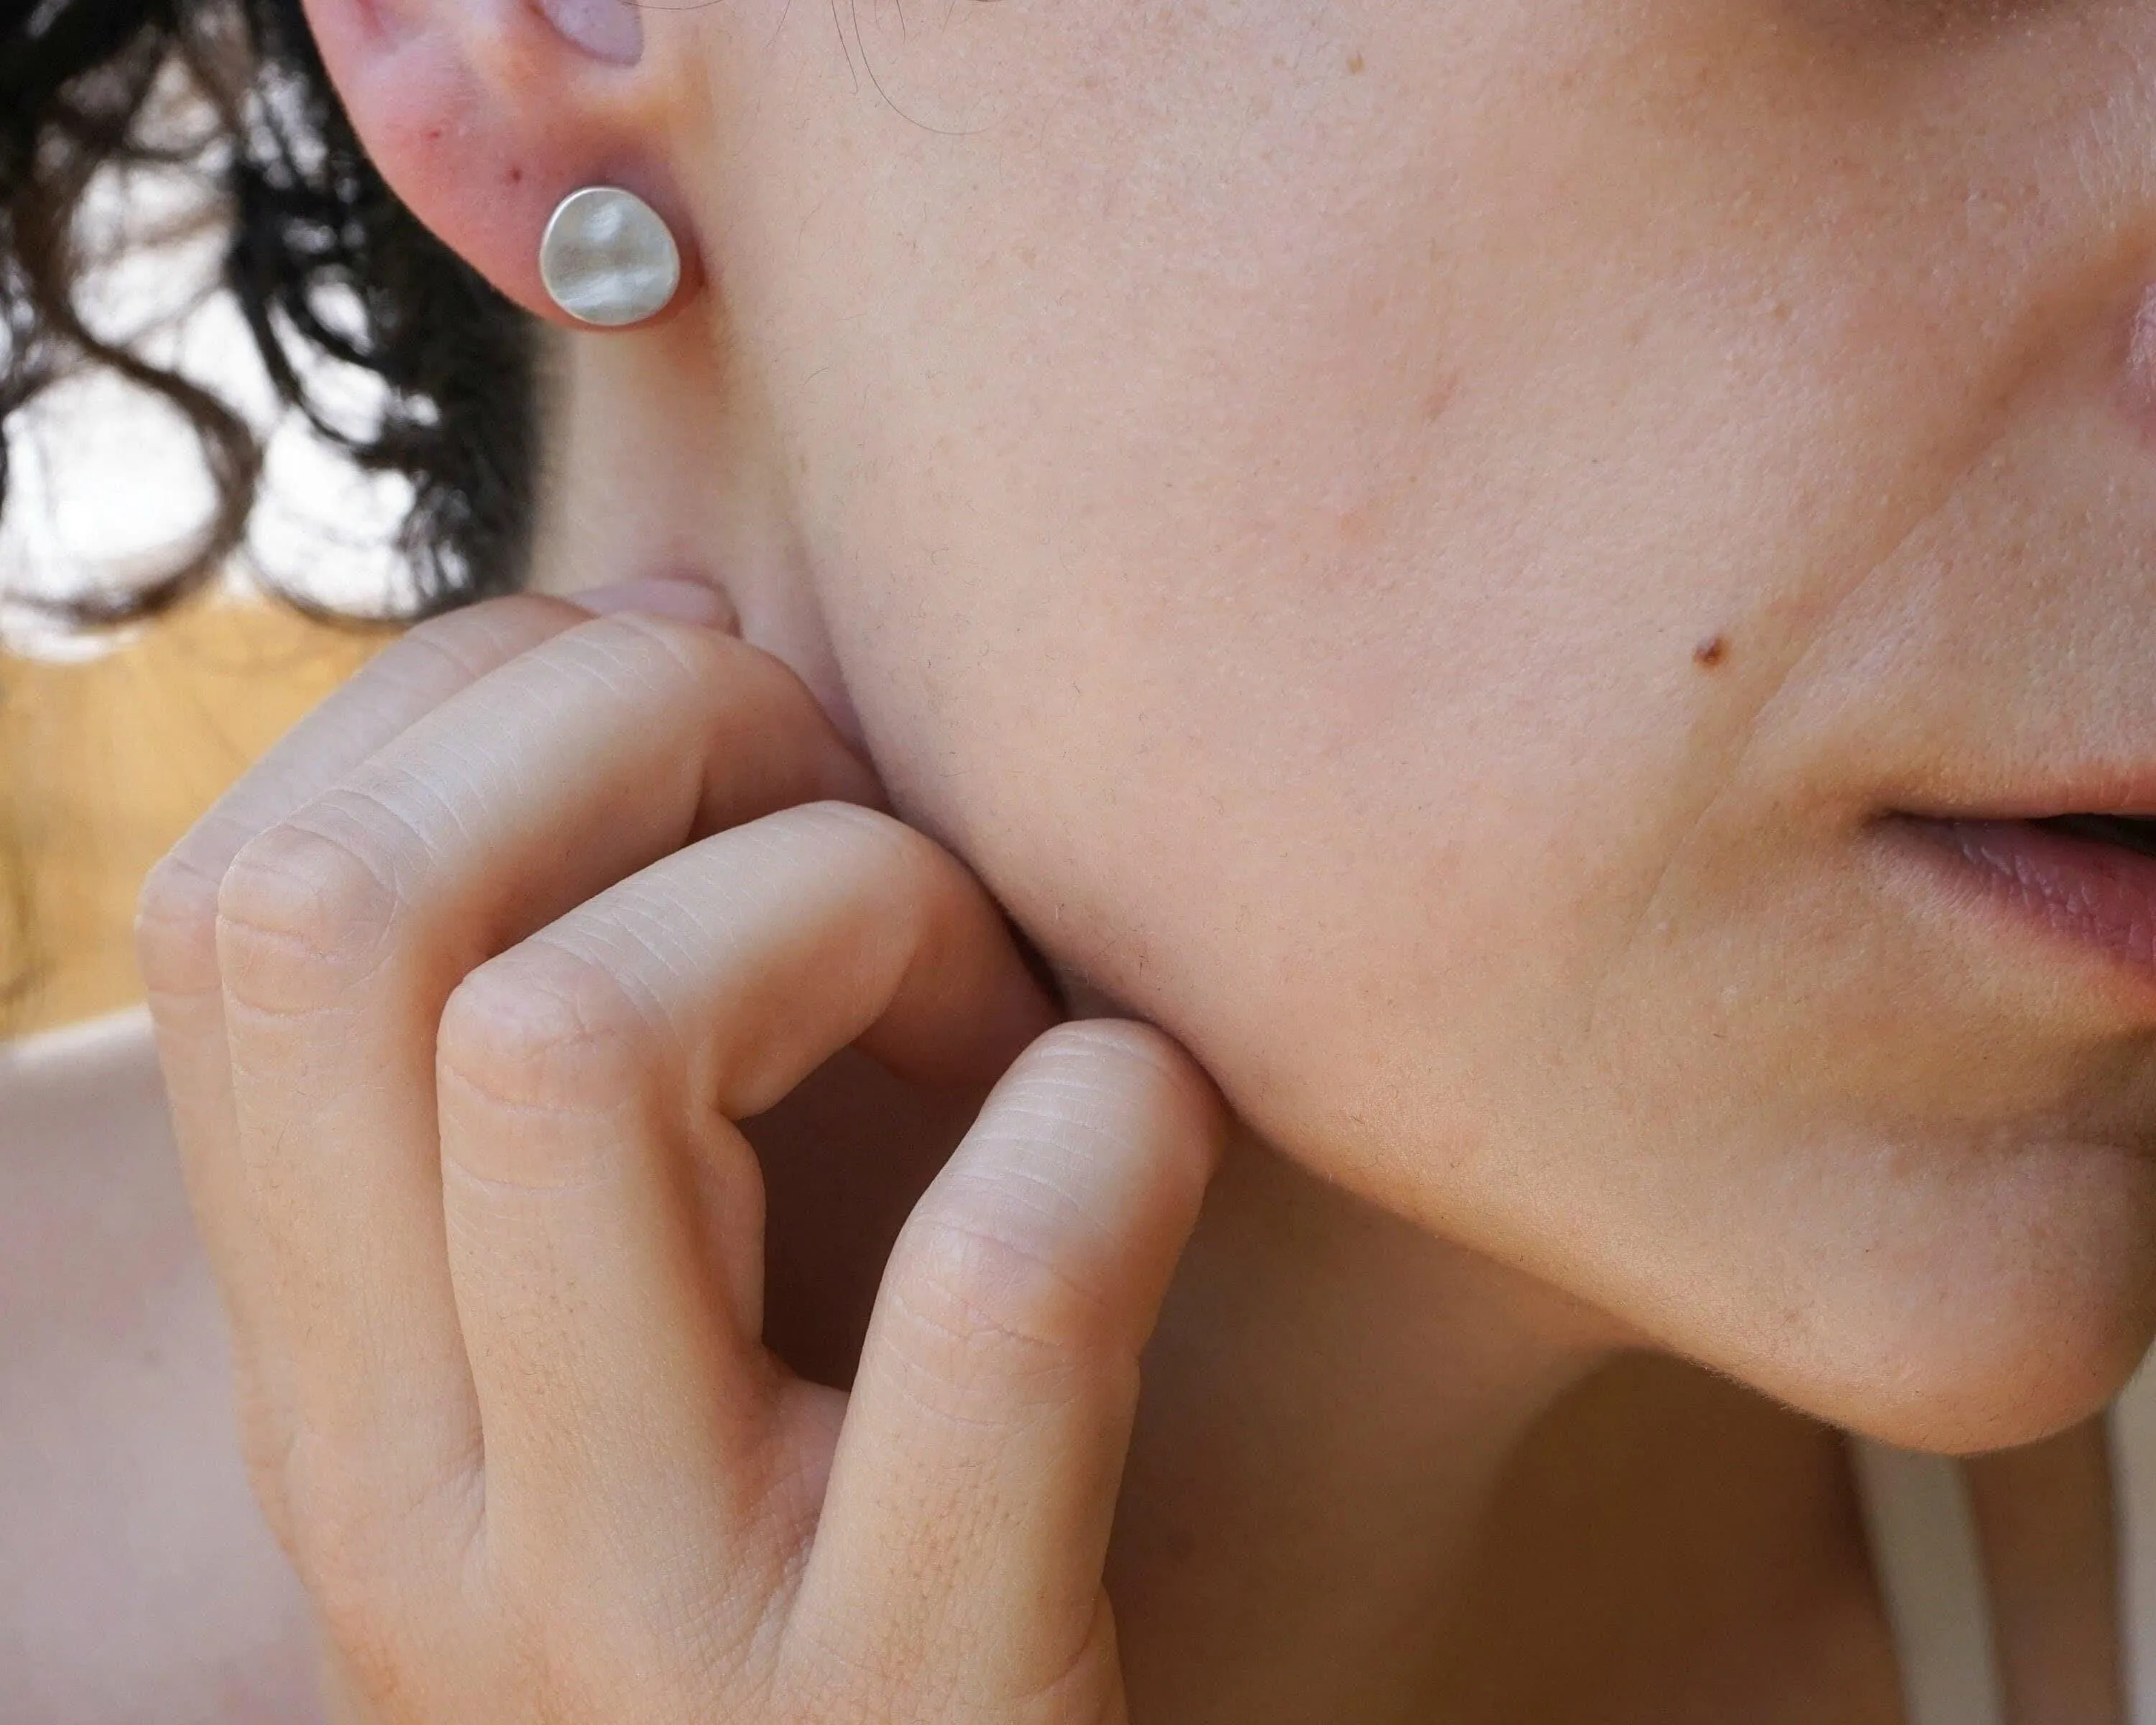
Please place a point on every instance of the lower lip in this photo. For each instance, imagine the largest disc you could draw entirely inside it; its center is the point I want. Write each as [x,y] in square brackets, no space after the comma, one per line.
[2099,895]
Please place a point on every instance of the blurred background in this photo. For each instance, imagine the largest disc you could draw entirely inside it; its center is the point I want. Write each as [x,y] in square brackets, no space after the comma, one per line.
[113,740]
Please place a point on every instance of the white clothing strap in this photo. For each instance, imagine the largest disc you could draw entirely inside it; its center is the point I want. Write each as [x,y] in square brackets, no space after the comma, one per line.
[2133,1486]
[1931,1578]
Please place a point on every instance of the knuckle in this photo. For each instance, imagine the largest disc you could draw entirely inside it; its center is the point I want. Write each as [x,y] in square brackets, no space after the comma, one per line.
[856,1675]
[548,1030]
[1081,1044]
[1093,1091]
[851,824]
[592,1647]
[375,1652]
[643,652]
[356,1556]
[176,927]
[689,644]
[830,1678]
[866,846]
[1077,1684]
[304,912]
[264,1443]
[452,648]
[986,1302]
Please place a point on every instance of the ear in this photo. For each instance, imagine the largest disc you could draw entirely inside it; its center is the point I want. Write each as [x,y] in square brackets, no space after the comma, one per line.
[483,115]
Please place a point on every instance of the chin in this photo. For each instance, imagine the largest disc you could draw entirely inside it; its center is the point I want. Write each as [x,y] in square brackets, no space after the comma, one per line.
[2026,1313]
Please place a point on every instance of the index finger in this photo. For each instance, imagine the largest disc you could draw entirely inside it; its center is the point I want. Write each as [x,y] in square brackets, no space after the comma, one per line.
[966,1524]
[176,922]
[176,919]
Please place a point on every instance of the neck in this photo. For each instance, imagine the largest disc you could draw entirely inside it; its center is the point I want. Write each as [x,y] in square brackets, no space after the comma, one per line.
[662,462]
[1331,1401]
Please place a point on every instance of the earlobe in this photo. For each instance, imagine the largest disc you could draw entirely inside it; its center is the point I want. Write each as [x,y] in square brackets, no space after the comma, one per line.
[483,115]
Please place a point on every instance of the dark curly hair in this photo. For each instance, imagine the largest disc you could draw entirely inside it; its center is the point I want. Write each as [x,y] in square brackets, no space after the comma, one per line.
[318,253]
[321,259]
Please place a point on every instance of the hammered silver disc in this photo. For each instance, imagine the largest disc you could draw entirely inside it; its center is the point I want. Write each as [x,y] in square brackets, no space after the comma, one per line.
[607,257]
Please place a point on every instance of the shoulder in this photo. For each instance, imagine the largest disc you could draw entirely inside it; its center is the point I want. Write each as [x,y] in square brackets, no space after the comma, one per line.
[141,1584]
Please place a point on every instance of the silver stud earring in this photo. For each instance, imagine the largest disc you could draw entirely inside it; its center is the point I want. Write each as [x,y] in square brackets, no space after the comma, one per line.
[607,257]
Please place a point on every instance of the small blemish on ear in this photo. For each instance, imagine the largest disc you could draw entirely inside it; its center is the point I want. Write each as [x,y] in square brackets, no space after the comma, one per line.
[515,176]
[1711,652]
[1355,63]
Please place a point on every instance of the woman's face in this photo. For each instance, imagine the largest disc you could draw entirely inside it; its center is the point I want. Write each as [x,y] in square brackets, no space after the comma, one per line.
[1420,543]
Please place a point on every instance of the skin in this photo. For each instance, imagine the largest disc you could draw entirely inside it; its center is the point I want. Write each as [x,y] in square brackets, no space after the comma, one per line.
[1410,547]
[1461,450]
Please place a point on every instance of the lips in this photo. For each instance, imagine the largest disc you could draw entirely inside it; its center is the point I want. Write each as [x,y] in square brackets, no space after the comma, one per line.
[2091,877]
[2127,832]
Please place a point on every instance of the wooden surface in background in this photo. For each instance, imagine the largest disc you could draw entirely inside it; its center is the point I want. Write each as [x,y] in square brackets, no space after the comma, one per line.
[104,764]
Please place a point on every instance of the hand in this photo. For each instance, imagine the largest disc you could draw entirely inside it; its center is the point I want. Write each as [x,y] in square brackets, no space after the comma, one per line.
[459,995]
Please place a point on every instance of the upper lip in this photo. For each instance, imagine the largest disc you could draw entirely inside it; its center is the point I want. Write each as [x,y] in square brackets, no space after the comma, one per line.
[2121,797]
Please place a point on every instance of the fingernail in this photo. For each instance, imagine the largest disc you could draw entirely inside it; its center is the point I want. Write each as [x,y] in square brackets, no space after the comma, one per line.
[684,601]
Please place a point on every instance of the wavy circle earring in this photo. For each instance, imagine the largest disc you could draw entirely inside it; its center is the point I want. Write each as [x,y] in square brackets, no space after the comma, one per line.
[608,259]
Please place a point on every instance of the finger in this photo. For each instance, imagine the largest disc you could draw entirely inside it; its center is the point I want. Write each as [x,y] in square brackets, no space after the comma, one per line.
[966,1524]
[176,927]
[407,679]
[589,1075]
[342,931]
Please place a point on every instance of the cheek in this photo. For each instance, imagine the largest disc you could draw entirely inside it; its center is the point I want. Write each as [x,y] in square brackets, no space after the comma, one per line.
[1328,579]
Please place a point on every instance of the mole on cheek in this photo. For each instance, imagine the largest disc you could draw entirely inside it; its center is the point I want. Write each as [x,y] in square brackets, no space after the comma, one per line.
[1711,652]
